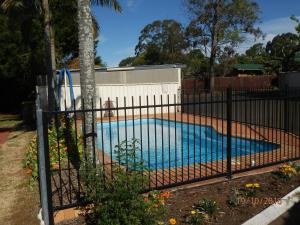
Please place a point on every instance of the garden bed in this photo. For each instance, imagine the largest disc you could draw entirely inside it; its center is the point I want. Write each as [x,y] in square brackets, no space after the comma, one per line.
[182,202]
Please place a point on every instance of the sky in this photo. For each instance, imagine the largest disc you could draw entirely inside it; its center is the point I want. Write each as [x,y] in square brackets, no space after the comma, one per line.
[119,32]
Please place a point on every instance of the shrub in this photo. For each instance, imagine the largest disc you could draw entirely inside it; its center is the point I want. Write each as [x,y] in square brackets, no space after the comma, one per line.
[117,200]
[57,149]
[250,189]
[208,206]
[234,199]
[289,170]
[196,218]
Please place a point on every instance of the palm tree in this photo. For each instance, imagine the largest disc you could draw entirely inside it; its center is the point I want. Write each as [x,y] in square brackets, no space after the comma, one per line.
[86,55]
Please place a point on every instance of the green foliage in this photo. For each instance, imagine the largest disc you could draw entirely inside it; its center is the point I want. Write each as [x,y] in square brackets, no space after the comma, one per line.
[250,189]
[196,218]
[288,171]
[233,200]
[218,24]
[162,42]
[22,43]
[283,48]
[58,150]
[208,206]
[118,199]
[196,63]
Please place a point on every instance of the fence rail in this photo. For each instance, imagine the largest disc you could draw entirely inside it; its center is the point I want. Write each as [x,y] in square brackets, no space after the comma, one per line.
[182,139]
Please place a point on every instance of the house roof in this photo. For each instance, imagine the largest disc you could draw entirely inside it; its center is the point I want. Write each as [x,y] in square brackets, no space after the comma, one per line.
[146,67]
[253,67]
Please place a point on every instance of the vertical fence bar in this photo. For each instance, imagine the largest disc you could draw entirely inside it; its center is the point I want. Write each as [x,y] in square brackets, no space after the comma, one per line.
[175,135]
[162,140]
[194,112]
[169,139]
[155,140]
[102,140]
[110,136]
[148,141]
[76,142]
[44,166]
[200,127]
[229,123]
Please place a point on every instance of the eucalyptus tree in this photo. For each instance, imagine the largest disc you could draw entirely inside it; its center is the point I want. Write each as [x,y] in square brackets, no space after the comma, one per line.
[162,41]
[87,64]
[216,24]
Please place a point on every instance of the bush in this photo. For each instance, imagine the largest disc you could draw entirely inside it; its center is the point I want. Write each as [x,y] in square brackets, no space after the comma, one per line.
[208,206]
[118,200]
[65,146]
[250,189]
[234,199]
[289,170]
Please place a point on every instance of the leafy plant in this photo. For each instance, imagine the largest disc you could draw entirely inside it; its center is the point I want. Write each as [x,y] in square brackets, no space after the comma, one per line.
[117,200]
[289,170]
[62,143]
[250,189]
[196,218]
[233,200]
[208,206]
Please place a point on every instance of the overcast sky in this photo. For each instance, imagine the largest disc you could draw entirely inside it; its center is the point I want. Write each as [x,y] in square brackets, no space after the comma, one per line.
[119,32]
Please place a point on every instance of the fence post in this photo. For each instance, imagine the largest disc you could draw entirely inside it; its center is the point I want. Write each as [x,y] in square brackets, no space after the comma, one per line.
[44,165]
[229,124]
[286,110]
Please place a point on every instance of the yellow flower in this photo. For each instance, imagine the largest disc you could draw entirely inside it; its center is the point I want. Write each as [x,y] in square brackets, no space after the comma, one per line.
[160,223]
[249,185]
[172,221]
[193,212]
[206,216]
[256,185]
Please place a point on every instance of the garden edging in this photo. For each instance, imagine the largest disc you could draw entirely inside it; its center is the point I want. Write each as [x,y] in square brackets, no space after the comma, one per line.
[276,210]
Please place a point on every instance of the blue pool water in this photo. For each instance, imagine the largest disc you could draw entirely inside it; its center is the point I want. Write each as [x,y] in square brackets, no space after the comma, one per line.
[175,144]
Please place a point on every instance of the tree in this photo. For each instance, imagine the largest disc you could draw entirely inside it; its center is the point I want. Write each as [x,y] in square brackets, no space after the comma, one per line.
[129,61]
[86,55]
[283,48]
[161,42]
[220,23]
[196,63]
[256,54]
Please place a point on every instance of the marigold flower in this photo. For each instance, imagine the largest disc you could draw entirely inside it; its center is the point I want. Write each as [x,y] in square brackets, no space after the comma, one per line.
[165,194]
[172,221]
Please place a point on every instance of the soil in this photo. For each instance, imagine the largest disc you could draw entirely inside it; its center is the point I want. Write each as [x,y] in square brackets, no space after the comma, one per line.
[19,204]
[272,189]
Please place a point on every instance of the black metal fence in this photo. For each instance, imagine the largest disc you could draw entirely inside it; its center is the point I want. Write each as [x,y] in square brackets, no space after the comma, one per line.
[181,140]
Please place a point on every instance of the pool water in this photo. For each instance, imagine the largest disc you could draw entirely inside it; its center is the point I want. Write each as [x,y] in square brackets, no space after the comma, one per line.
[167,143]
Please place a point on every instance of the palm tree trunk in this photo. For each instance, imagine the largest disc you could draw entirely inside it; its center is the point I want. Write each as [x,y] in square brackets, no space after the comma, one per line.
[50,54]
[87,73]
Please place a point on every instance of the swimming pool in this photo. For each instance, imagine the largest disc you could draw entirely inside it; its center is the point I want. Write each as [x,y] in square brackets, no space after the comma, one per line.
[167,143]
